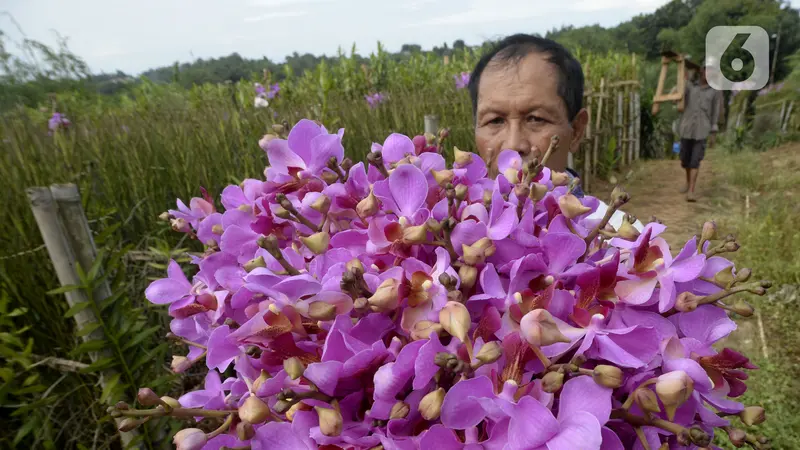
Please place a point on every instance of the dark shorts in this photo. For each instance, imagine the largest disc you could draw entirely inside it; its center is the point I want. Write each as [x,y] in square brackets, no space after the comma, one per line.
[692,152]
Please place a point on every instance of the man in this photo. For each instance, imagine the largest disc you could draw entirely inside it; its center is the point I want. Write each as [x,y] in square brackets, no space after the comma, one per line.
[524,91]
[698,123]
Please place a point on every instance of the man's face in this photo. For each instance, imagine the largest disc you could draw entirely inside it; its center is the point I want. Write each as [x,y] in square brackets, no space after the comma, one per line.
[519,108]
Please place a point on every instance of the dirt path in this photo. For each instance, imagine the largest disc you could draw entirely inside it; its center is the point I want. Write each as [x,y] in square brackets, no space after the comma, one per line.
[654,186]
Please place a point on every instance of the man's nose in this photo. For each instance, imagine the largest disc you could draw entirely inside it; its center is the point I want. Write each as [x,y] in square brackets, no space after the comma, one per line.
[517,139]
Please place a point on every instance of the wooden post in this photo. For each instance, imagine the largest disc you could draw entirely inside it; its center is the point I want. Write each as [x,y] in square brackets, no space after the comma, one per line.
[662,77]
[638,132]
[432,124]
[59,237]
[631,124]
[618,123]
[681,85]
[587,149]
[597,123]
[788,116]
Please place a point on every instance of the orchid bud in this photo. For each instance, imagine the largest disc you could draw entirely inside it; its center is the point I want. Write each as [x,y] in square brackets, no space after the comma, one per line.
[674,388]
[699,437]
[462,158]
[282,213]
[487,197]
[552,382]
[129,424]
[317,242]
[737,436]
[442,177]
[245,431]
[489,352]
[430,407]
[265,140]
[559,178]
[264,376]
[743,308]
[608,376]
[417,234]
[512,175]
[433,225]
[147,397]
[468,275]
[430,138]
[164,216]
[330,421]
[424,329]
[369,206]
[399,410]
[538,191]
[473,255]
[217,229]
[180,363]
[742,275]
[179,224]
[571,206]
[329,177]
[647,400]
[709,232]
[171,402]
[627,231]
[455,319]
[254,263]
[687,302]
[321,311]
[293,367]
[539,329]
[254,410]
[753,415]
[461,192]
[355,266]
[189,439]
[386,297]
[321,204]
[724,277]
[731,247]
[299,406]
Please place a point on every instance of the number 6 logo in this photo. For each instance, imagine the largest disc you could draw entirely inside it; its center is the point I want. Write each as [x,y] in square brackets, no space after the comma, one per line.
[737,55]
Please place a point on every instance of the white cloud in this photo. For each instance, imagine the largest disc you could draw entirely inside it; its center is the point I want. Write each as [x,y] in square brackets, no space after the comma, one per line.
[275,15]
[485,11]
[602,5]
[282,3]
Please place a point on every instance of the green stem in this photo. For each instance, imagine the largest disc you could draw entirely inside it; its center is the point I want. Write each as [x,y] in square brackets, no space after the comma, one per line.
[176,412]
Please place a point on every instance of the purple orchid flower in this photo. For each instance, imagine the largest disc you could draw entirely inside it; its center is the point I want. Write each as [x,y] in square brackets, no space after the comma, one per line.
[306,152]
[462,80]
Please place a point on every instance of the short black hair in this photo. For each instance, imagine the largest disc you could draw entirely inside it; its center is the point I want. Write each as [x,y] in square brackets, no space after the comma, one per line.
[514,48]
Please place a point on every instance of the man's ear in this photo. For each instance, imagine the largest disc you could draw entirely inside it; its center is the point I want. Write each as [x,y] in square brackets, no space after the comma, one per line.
[578,129]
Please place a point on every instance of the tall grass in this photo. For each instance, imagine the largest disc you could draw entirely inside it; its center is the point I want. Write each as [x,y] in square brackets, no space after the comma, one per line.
[133,155]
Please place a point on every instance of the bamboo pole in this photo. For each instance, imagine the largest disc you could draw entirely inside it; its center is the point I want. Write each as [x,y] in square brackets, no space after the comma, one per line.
[587,149]
[638,106]
[631,125]
[620,150]
[59,238]
[597,123]
[788,116]
[431,124]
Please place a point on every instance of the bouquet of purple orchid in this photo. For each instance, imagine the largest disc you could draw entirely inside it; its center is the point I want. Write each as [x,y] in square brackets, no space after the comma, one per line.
[400,304]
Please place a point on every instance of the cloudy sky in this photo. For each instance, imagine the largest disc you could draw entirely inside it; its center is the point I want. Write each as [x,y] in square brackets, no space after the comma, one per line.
[134,35]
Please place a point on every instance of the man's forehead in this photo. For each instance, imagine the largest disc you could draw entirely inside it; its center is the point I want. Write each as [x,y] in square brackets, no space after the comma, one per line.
[530,82]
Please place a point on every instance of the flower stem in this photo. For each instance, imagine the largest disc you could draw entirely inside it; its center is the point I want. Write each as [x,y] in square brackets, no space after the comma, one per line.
[176,412]
[538,352]
[225,425]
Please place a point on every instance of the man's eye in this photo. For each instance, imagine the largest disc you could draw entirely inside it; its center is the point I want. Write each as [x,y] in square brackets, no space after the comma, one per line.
[496,121]
[535,119]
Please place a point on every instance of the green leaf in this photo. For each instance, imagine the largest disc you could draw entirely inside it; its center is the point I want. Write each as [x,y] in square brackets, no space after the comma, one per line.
[141,336]
[76,308]
[31,379]
[87,329]
[99,365]
[90,346]
[148,356]
[111,300]
[25,429]
[18,312]
[96,266]
[64,289]
[81,274]
[6,374]
[109,388]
